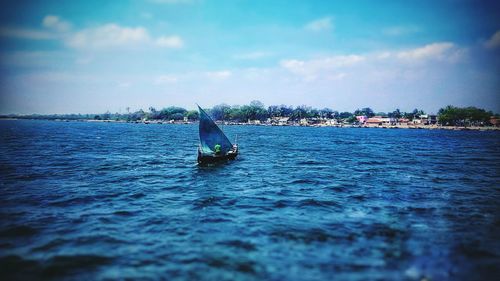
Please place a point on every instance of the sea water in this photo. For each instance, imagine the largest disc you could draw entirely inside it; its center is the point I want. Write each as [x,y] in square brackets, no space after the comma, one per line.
[85,200]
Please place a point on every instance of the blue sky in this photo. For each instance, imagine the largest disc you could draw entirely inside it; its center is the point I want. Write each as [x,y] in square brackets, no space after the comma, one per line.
[94,56]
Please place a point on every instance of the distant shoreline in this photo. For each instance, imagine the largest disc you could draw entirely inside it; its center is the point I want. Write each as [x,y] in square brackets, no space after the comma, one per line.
[398,126]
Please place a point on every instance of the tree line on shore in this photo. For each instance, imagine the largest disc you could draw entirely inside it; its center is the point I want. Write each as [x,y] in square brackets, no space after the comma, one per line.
[449,115]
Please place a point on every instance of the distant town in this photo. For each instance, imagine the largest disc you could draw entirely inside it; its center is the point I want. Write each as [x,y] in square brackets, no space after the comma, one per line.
[256,113]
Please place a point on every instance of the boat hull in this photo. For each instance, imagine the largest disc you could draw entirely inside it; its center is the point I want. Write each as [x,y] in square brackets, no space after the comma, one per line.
[213,158]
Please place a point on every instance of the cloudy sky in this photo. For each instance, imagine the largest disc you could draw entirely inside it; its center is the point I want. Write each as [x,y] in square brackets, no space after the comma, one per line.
[94,56]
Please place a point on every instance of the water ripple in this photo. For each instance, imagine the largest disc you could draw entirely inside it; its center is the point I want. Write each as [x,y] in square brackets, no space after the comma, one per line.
[84,200]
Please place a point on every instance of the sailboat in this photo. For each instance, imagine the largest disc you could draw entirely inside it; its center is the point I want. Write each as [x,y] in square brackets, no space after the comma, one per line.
[214,145]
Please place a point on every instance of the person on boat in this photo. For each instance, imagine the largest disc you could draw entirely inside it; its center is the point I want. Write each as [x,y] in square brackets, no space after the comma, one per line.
[217,148]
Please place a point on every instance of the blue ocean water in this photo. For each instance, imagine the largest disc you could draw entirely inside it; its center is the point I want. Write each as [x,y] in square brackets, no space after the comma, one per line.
[93,201]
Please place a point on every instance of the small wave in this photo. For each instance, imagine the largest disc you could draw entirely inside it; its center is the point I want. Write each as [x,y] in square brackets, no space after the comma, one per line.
[226,263]
[50,245]
[18,230]
[98,239]
[305,181]
[214,220]
[11,215]
[63,265]
[384,231]
[84,200]
[281,204]
[243,266]
[317,203]
[371,163]
[239,244]
[359,197]
[105,220]
[231,202]
[29,176]
[137,195]
[108,167]
[439,180]
[17,268]
[73,201]
[206,202]
[123,213]
[421,210]
[310,162]
[154,162]
[306,236]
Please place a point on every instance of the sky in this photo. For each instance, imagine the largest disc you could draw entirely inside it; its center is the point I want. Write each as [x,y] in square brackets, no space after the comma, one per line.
[97,56]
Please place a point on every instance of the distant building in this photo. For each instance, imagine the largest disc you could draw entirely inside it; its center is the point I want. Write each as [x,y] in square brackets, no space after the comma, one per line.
[279,121]
[316,121]
[332,122]
[361,119]
[426,119]
[495,121]
[253,122]
[432,119]
[375,120]
[283,121]
[403,121]
[379,120]
[388,121]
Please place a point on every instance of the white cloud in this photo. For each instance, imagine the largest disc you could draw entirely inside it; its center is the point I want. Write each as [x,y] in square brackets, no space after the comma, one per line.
[55,23]
[109,35]
[115,36]
[444,51]
[383,55]
[336,76]
[321,68]
[356,65]
[166,79]
[320,24]
[23,33]
[494,41]
[323,63]
[170,42]
[219,75]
